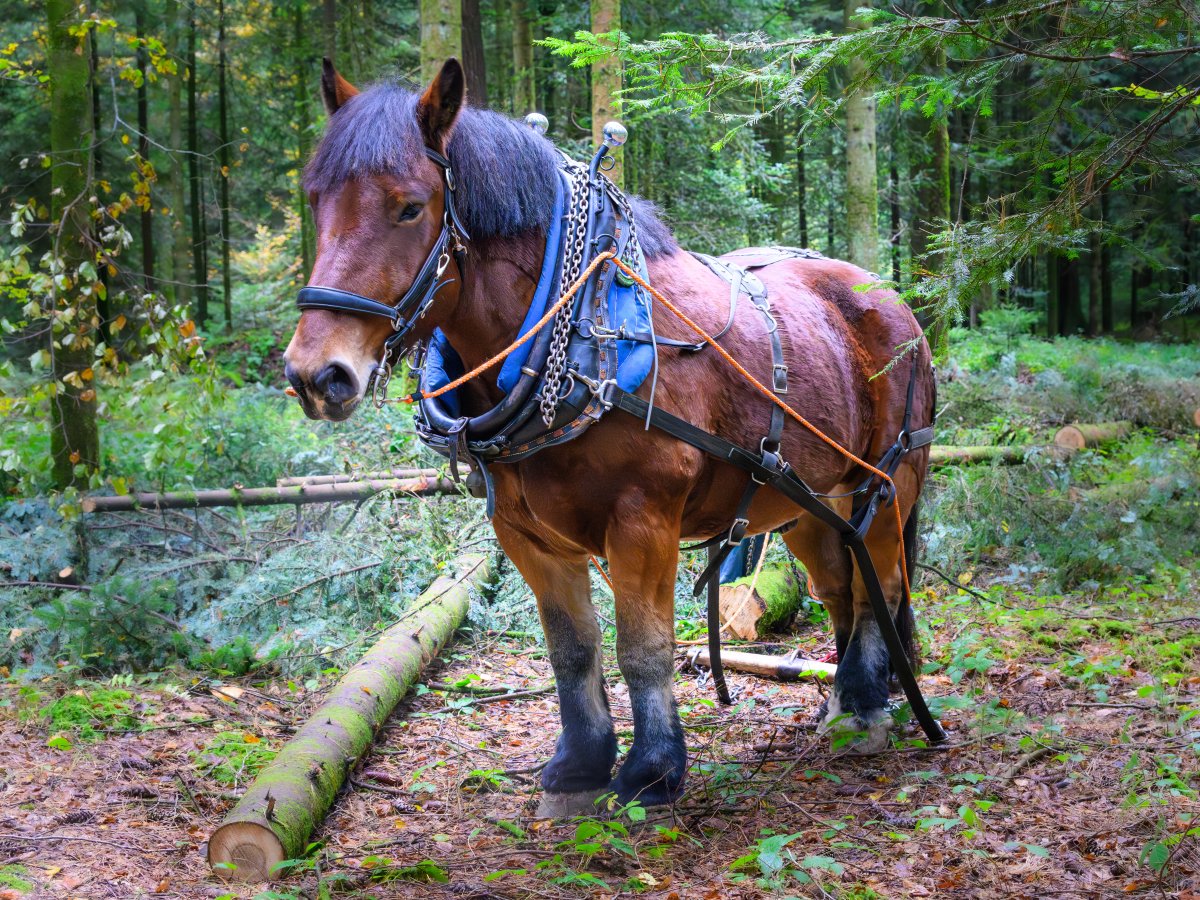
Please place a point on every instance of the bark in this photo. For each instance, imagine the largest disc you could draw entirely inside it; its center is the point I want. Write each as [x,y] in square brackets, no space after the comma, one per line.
[1082,435]
[894,203]
[801,189]
[931,173]
[273,496]
[524,90]
[74,439]
[199,256]
[329,28]
[862,192]
[1051,294]
[778,150]
[783,668]
[441,35]
[606,82]
[1106,286]
[226,169]
[474,63]
[941,455]
[365,476]
[291,796]
[1067,273]
[103,306]
[180,284]
[1095,277]
[143,148]
[303,137]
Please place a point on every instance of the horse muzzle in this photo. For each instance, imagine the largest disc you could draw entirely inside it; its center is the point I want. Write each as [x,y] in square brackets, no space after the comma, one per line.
[332,394]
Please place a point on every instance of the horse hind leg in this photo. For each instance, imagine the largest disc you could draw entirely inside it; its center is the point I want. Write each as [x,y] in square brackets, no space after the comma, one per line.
[582,764]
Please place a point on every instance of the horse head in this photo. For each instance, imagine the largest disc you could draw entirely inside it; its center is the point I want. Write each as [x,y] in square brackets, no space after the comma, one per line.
[378,186]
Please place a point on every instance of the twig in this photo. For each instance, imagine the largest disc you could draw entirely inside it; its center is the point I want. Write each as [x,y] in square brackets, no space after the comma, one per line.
[370,786]
[475,688]
[39,838]
[1025,762]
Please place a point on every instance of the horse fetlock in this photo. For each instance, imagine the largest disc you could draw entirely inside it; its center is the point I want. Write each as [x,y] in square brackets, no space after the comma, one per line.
[653,773]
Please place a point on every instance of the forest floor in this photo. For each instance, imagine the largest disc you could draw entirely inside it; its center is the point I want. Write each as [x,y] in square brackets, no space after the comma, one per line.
[1071,771]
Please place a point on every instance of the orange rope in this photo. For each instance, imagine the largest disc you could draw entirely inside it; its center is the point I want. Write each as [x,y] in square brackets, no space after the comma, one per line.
[603,574]
[503,354]
[770,395]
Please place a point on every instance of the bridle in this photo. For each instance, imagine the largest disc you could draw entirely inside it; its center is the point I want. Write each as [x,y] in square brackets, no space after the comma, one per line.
[416,301]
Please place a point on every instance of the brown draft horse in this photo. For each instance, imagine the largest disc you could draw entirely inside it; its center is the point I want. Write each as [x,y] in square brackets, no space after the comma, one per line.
[619,491]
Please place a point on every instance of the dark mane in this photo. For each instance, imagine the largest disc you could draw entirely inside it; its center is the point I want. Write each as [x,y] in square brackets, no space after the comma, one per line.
[505,171]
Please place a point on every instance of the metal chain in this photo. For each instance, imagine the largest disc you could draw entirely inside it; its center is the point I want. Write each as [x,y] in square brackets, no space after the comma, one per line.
[556,362]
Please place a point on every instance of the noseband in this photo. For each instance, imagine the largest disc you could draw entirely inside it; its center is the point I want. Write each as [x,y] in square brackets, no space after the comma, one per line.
[411,307]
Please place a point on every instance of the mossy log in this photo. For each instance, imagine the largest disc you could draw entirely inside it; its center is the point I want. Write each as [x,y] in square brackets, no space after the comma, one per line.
[785,668]
[1007,455]
[403,472]
[776,600]
[290,797]
[271,496]
[1082,435]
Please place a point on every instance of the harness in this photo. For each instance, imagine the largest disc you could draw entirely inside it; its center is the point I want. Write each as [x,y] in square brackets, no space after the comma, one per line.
[600,348]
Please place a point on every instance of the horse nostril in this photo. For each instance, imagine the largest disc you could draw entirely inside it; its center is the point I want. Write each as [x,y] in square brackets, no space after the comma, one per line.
[336,384]
[294,379]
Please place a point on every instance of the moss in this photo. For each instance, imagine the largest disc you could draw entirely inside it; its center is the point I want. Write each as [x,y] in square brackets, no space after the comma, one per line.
[90,714]
[782,595]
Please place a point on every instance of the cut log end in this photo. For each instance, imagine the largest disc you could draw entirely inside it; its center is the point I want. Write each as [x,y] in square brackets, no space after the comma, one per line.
[1082,435]
[244,851]
[1196,418]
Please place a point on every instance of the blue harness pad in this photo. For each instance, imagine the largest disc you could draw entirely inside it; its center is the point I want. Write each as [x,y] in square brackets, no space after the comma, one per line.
[630,307]
[510,371]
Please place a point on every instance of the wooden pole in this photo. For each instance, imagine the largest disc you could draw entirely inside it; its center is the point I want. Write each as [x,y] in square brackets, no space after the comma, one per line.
[294,480]
[1081,435]
[293,793]
[269,496]
[783,668]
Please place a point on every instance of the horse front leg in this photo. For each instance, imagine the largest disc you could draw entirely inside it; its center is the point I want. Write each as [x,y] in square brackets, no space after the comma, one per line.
[582,764]
[643,555]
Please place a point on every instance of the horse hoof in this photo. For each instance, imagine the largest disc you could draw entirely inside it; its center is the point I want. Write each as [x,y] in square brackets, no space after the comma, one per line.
[859,734]
[576,803]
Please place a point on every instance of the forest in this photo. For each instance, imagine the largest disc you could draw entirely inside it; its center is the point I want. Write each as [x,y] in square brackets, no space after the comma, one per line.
[247,652]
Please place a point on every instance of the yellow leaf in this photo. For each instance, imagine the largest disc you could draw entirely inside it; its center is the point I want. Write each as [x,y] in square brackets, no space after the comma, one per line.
[119,321]
[87,374]
[251,739]
[124,139]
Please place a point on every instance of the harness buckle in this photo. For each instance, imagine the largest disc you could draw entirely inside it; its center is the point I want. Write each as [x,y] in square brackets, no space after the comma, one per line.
[737,531]
[780,378]
[379,384]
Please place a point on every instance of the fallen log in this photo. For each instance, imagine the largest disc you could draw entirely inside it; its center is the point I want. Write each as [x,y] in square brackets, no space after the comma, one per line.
[1008,455]
[279,811]
[405,472]
[269,496]
[784,668]
[1082,435]
[1196,418]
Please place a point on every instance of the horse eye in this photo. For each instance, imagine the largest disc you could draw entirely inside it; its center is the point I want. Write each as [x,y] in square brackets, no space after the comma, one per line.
[408,213]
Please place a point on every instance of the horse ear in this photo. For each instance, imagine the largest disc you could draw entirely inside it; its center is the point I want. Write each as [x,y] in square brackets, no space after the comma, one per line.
[335,90]
[440,105]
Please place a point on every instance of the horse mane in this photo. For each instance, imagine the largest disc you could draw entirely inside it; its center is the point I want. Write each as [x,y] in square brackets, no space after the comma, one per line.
[505,170]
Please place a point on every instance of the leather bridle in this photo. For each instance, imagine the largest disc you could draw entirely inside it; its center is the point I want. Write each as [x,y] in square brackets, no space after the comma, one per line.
[416,301]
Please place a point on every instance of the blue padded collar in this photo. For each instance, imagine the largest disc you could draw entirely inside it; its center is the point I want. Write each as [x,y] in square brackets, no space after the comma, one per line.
[510,371]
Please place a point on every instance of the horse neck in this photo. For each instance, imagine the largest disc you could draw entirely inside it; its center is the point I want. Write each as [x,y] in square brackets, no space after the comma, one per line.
[497,289]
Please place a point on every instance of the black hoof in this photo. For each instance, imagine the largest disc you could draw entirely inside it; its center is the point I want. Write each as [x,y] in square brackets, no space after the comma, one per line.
[576,768]
[651,780]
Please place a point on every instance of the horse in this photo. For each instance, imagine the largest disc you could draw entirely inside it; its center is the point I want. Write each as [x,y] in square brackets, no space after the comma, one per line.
[620,491]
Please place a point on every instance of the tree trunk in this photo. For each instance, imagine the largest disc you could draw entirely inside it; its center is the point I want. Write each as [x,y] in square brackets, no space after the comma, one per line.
[1067,273]
[1082,435]
[606,82]
[303,138]
[291,796]
[329,28]
[180,283]
[74,439]
[862,191]
[524,89]
[1106,286]
[932,176]
[801,189]
[143,149]
[226,170]
[777,147]
[441,35]
[1051,294]
[103,307]
[1095,276]
[474,63]
[894,200]
[199,254]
